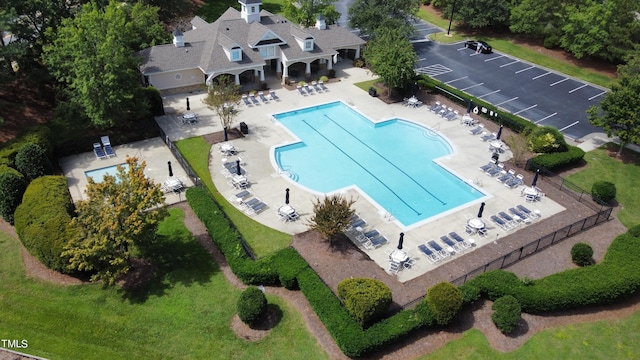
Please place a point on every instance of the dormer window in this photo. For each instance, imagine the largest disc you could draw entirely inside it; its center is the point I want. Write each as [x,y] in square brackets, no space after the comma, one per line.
[236,54]
[253,9]
[308,45]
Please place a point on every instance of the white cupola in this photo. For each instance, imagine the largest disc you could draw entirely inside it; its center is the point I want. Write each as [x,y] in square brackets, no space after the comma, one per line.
[250,10]
[178,41]
[321,22]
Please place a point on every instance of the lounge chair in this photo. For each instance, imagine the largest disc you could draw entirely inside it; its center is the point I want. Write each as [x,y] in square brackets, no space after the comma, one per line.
[316,87]
[488,137]
[430,255]
[501,223]
[435,108]
[528,212]
[321,83]
[520,214]
[496,170]
[256,208]
[515,182]
[251,202]
[246,100]
[262,98]
[459,240]
[106,143]
[511,221]
[488,166]
[308,88]
[507,176]
[97,149]
[438,249]
[273,96]
[301,90]
[253,99]
[368,235]
[452,115]
[445,239]
[477,130]
[379,241]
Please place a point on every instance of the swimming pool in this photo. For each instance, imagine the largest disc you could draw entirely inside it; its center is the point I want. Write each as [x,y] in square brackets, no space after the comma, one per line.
[98,174]
[391,161]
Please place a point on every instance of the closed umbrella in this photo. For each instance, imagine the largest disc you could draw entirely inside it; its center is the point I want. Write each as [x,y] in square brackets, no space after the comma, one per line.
[535,178]
[170,169]
[286,196]
[400,241]
[188,107]
[499,133]
[481,210]
[495,157]
[470,106]
[238,169]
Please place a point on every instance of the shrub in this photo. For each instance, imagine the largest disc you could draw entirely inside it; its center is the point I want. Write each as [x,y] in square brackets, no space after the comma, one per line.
[324,78]
[556,161]
[251,306]
[154,99]
[331,74]
[12,187]
[359,63]
[365,299]
[547,139]
[551,42]
[32,161]
[603,190]
[42,220]
[302,83]
[39,135]
[506,313]
[582,254]
[444,300]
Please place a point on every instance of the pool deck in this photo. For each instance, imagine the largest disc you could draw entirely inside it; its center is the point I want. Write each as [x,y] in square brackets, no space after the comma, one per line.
[153,151]
[269,185]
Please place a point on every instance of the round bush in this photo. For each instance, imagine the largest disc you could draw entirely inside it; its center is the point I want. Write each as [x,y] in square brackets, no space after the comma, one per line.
[582,254]
[547,139]
[12,187]
[32,161]
[444,300]
[506,313]
[365,299]
[251,306]
[603,190]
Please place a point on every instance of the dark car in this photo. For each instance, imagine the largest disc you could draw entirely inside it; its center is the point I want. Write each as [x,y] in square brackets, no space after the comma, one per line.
[478,44]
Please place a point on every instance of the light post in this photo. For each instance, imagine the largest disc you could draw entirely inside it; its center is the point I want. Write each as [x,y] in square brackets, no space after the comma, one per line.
[453,8]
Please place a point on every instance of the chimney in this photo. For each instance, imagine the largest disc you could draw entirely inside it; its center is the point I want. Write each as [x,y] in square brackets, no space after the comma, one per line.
[321,23]
[177,38]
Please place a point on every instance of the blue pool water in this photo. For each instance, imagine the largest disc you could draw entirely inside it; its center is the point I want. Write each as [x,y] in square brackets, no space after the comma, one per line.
[391,161]
[98,174]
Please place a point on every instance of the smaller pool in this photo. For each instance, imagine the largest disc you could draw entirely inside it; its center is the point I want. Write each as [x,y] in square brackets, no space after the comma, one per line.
[98,174]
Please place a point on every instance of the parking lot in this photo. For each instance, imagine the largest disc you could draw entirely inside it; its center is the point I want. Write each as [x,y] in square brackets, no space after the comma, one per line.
[542,96]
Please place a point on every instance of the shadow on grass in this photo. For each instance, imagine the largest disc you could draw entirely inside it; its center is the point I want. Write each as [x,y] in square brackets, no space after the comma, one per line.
[169,260]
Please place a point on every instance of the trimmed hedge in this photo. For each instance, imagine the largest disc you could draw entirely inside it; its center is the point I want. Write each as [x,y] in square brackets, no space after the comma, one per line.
[546,140]
[12,187]
[603,191]
[42,220]
[445,301]
[365,299]
[251,306]
[582,254]
[32,161]
[554,161]
[506,314]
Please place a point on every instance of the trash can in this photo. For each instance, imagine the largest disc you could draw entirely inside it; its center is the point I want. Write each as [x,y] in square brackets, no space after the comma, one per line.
[373,92]
[244,128]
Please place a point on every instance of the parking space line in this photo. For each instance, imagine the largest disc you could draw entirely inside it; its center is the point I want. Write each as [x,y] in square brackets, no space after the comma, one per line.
[595,96]
[507,64]
[568,126]
[493,58]
[506,101]
[539,76]
[519,71]
[523,110]
[578,88]
[472,86]
[462,48]
[487,94]
[558,82]
[546,117]
[454,80]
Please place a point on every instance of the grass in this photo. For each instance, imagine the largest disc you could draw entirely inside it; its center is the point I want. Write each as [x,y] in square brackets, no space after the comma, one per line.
[184,314]
[507,46]
[625,175]
[608,339]
[365,85]
[262,239]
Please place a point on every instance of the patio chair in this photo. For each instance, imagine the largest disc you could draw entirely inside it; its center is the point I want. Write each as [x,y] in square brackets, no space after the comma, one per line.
[394,267]
[256,208]
[488,166]
[262,98]
[410,264]
[445,239]
[496,170]
[324,88]
[459,240]
[316,87]
[309,89]
[477,130]
[529,213]
[501,223]
[273,96]
[507,176]
[436,107]
[379,241]
[368,235]
[438,249]
[246,100]
[354,224]
[430,255]
[106,143]
[301,90]
[483,232]
[488,137]
[522,216]
[514,183]
[249,203]
[97,149]
[511,221]
[388,251]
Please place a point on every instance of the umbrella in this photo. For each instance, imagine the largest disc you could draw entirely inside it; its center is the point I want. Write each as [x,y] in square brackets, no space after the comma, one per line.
[481,210]
[170,169]
[499,133]
[470,106]
[535,178]
[400,241]
[495,157]
[188,107]
[415,88]
[286,196]
[238,169]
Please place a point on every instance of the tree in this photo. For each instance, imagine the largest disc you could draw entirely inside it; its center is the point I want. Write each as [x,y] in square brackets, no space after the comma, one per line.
[479,13]
[369,15]
[537,18]
[120,216]
[331,216]
[391,56]
[619,111]
[518,147]
[32,161]
[94,56]
[304,12]
[223,97]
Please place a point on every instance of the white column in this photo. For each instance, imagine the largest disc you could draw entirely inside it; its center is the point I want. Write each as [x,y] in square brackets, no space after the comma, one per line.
[285,72]
[278,65]
[262,74]
[358,52]
[237,78]
[307,69]
[330,63]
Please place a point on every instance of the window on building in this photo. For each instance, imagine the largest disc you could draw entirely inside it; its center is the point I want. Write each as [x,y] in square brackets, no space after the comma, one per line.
[308,45]
[236,55]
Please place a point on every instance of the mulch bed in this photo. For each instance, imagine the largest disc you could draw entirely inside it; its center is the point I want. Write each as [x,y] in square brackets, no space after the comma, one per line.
[218,137]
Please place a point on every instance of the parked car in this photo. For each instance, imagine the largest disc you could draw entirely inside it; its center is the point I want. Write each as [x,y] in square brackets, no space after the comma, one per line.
[475,44]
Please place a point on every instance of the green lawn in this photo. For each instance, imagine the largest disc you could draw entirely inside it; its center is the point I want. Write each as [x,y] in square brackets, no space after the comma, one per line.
[262,239]
[602,167]
[184,315]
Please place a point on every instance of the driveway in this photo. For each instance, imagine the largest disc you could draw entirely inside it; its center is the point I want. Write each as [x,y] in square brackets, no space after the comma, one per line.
[537,94]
